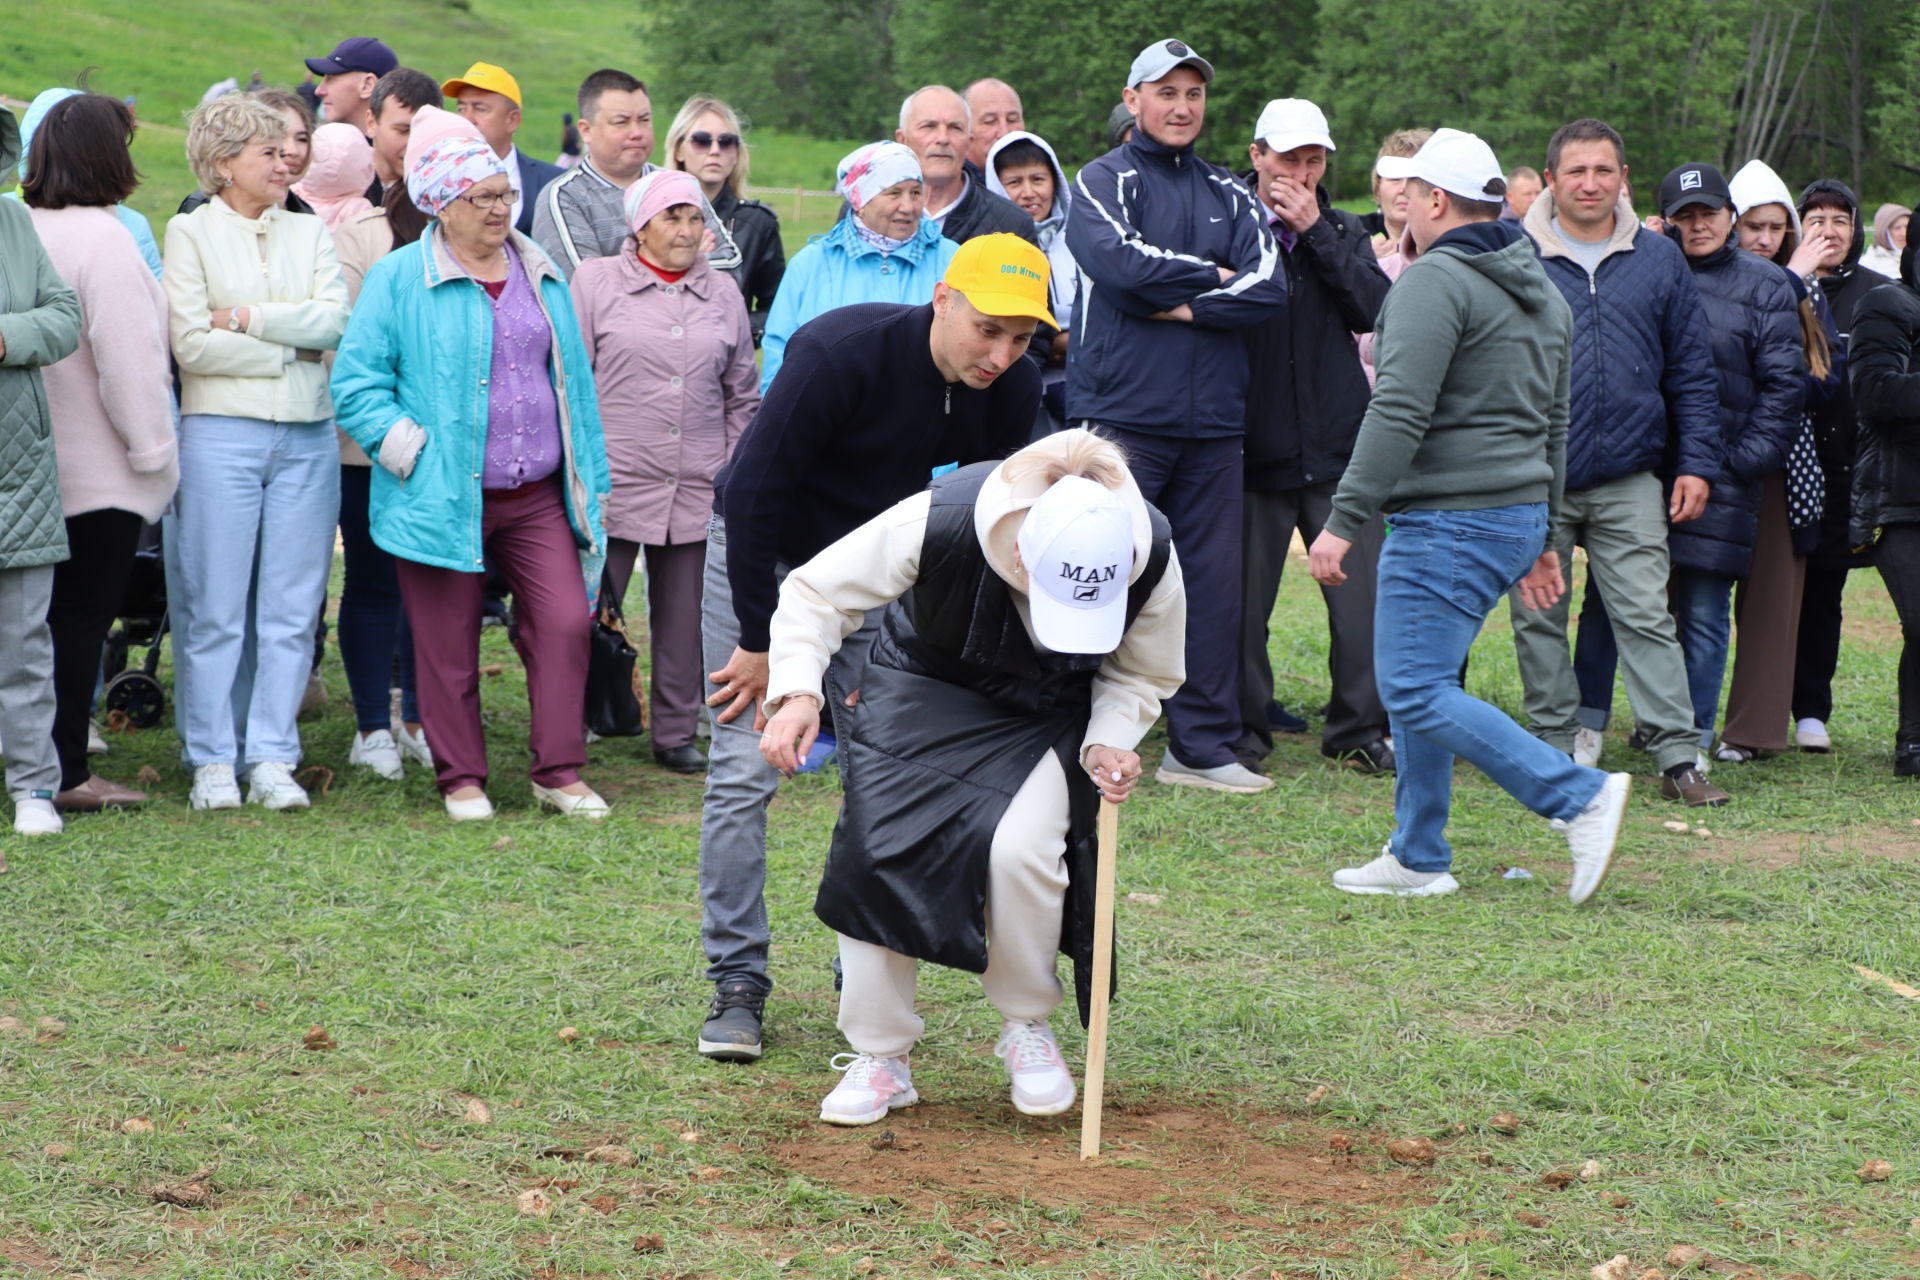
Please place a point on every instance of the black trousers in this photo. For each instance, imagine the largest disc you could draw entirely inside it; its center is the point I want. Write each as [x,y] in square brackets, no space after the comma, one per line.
[88,588]
[1817,655]
[1898,559]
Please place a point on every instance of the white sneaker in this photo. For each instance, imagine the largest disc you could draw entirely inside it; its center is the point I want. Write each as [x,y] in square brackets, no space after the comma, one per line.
[1586,748]
[35,816]
[1385,875]
[589,805]
[270,785]
[96,740]
[472,809]
[214,788]
[413,746]
[1234,777]
[1811,735]
[869,1089]
[1594,834]
[378,752]
[1042,1086]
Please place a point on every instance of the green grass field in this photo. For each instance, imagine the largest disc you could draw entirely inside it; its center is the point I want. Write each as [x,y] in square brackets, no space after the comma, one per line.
[1699,1031]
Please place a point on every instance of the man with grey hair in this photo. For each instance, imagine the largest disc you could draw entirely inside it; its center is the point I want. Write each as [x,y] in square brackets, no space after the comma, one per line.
[936,126]
[996,111]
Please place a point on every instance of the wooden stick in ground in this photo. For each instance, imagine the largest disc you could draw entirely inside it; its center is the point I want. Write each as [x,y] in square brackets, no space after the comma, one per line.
[1102,982]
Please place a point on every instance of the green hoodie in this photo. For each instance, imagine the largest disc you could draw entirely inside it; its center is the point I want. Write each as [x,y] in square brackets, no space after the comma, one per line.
[1469,410]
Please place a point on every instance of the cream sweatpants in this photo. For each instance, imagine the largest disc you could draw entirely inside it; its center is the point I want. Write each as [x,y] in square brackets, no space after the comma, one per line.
[1026,890]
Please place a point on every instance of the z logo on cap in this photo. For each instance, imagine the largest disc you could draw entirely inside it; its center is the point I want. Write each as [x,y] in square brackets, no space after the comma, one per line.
[1690,180]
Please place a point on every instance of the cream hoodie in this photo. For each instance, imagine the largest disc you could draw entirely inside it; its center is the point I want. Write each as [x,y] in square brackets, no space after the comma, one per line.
[826,599]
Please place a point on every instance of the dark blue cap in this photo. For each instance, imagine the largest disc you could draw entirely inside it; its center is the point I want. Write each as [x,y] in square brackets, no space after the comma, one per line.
[359,53]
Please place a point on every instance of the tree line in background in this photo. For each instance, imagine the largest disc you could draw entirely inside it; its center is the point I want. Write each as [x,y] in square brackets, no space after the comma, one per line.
[1816,88]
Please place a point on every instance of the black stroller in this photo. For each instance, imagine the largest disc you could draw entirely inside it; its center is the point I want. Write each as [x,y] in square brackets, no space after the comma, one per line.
[137,693]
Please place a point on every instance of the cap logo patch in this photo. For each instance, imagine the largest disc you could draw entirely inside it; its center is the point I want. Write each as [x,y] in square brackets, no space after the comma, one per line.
[1015,269]
[1177,49]
[1086,593]
[1690,180]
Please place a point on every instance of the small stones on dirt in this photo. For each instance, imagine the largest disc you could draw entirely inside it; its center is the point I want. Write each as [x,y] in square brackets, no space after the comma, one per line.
[568,1035]
[1589,1171]
[534,1203]
[136,1125]
[1618,1267]
[1614,1200]
[1412,1151]
[1527,1218]
[1473,1237]
[885,1141]
[1505,1122]
[477,1113]
[195,1191]
[1318,1094]
[1874,1171]
[1558,1179]
[1340,1142]
[649,1244]
[690,1135]
[318,1040]
[56,1151]
[1701,831]
[1675,826]
[603,1204]
[1144,899]
[612,1154]
[1682,1256]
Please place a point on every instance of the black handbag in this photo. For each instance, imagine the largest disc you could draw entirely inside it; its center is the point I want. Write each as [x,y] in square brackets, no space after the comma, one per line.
[616,691]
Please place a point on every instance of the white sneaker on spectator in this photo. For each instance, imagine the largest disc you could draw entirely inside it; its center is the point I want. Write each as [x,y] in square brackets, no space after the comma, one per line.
[1234,777]
[589,805]
[1042,1085]
[270,785]
[1385,875]
[378,752]
[413,746]
[1586,748]
[869,1088]
[1811,735]
[1593,835]
[35,816]
[96,740]
[214,788]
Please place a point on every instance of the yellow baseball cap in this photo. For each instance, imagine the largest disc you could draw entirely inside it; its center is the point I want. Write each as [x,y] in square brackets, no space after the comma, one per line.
[1002,275]
[484,75]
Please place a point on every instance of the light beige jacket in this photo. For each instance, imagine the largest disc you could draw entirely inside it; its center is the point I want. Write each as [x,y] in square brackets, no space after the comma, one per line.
[281,267]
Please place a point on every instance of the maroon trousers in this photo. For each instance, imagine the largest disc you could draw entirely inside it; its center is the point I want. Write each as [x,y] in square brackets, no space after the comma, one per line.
[674,575]
[527,537]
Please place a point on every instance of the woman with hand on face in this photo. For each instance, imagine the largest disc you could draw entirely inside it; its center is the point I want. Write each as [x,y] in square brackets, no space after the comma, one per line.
[255,298]
[706,141]
[673,361]
[464,376]
[884,250]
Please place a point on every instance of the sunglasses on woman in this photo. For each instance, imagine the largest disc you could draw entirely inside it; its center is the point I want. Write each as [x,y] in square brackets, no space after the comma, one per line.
[703,140]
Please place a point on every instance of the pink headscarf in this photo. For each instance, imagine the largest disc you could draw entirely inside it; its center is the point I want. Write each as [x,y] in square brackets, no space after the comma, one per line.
[446,156]
[342,169]
[866,171]
[656,193]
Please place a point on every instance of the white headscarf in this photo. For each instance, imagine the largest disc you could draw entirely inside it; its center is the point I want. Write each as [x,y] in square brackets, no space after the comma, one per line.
[867,171]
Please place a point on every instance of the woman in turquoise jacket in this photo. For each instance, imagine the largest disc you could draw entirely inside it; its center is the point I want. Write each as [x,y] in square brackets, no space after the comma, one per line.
[464,376]
[885,249]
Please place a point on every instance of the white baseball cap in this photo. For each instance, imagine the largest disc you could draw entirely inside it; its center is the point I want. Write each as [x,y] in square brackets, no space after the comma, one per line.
[1161,57]
[1077,546]
[1458,163]
[1286,123]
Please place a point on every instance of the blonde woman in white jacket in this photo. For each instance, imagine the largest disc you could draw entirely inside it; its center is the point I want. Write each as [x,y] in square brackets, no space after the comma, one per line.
[254,297]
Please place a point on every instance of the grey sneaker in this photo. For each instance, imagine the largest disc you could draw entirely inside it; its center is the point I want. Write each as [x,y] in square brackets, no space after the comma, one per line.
[731,1032]
[1385,875]
[1234,777]
[1594,833]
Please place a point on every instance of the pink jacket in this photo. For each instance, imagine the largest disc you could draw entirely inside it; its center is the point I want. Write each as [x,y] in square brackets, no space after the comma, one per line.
[111,400]
[1393,264]
[674,367]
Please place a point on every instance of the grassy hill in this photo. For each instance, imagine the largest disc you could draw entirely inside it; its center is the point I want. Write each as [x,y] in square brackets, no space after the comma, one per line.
[166,54]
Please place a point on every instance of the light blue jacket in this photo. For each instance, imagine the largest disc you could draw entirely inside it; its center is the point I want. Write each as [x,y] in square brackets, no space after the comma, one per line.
[416,358]
[839,268]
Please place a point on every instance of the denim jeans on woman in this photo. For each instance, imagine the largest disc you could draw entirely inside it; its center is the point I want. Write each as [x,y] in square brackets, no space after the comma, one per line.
[1702,603]
[1441,573]
[254,519]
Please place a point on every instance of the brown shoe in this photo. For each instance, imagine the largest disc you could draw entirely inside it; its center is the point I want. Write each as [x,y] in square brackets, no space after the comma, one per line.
[1690,787]
[95,794]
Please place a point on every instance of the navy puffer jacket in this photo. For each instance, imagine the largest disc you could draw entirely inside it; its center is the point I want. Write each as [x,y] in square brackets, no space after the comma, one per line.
[1753,324]
[1643,389]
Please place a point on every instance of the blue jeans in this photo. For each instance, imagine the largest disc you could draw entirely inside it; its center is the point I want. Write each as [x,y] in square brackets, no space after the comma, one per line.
[376,645]
[1441,573]
[1702,604]
[740,785]
[255,515]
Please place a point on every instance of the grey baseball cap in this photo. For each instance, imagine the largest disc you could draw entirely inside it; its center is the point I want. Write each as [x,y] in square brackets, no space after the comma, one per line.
[1162,56]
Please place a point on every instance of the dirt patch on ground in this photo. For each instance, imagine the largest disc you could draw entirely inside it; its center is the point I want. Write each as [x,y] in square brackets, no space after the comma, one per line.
[1773,850]
[1159,1169]
[18,1251]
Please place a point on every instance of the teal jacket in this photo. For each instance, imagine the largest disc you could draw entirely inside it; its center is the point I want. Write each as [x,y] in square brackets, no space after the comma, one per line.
[839,268]
[414,365]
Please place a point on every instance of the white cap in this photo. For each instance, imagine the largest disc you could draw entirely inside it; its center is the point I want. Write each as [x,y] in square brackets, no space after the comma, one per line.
[1161,57]
[1077,546]
[1286,123]
[1458,163]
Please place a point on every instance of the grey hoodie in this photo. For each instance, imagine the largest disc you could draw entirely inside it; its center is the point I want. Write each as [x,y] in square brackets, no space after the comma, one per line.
[1470,408]
[1065,280]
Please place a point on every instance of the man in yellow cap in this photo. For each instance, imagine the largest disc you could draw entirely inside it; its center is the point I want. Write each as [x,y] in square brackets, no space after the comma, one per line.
[490,97]
[873,400]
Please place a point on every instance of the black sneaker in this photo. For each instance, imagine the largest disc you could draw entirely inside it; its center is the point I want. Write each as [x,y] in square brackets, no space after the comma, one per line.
[1906,762]
[1281,720]
[1369,757]
[731,1032]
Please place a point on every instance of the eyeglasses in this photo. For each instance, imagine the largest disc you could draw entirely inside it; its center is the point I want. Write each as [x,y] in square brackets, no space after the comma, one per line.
[487,201]
[703,140]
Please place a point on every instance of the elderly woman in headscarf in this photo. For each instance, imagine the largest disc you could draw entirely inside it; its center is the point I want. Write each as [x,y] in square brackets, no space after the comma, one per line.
[1890,222]
[672,349]
[1022,167]
[885,249]
[464,376]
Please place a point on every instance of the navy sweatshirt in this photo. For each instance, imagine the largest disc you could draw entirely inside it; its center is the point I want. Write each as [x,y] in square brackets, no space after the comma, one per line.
[858,418]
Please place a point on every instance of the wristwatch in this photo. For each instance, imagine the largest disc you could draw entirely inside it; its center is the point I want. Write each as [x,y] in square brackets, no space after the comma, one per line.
[233,320]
